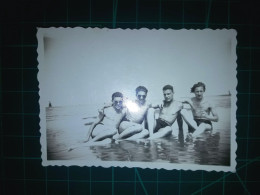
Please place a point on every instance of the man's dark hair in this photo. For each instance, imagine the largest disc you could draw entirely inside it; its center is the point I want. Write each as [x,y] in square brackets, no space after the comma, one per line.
[141,88]
[168,87]
[117,94]
[199,84]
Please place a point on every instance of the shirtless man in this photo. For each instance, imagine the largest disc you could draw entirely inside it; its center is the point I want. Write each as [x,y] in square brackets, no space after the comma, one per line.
[169,112]
[108,122]
[131,127]
[203,112]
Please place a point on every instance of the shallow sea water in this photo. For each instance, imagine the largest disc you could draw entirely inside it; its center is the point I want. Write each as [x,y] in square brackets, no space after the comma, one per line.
[67,126]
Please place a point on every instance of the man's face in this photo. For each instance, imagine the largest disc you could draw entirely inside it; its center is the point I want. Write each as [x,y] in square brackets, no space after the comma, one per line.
[117,103]
[168,95]
[141,95]
[199,91]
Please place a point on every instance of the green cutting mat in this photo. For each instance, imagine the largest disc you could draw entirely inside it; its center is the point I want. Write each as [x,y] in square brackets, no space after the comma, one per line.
[21,170]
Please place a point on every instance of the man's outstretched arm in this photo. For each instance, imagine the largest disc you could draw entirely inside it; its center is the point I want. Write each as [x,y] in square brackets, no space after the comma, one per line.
[93,125]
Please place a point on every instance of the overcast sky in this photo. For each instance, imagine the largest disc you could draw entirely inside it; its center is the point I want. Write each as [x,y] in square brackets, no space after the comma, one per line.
[85,66]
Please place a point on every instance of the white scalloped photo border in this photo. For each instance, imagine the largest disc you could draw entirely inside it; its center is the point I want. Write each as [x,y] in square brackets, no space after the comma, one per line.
[42,32]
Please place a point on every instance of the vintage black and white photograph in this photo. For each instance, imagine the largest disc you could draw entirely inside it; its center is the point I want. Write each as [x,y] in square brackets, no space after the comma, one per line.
[148,98]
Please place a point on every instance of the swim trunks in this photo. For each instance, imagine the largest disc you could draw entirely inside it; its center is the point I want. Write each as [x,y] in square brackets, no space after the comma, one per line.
[199,121]
[160,123]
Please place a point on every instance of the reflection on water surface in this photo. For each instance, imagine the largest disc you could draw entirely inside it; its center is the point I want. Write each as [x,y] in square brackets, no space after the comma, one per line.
[66,126]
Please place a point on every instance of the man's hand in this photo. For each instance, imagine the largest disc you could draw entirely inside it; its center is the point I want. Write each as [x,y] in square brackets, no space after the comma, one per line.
[87,139]
[186,102]
[101,111]
[106,105]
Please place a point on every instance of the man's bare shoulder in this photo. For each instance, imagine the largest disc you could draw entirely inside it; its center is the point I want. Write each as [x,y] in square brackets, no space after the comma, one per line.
[155,105]
[209,102]
[109,110]
[149,104]
[124,110]
[178,103]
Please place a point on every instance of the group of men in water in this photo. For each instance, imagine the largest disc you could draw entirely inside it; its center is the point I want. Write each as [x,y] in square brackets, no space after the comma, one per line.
[123,119]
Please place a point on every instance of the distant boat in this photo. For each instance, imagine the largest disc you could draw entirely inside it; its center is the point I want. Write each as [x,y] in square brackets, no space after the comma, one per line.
[228,94]
[50,104]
